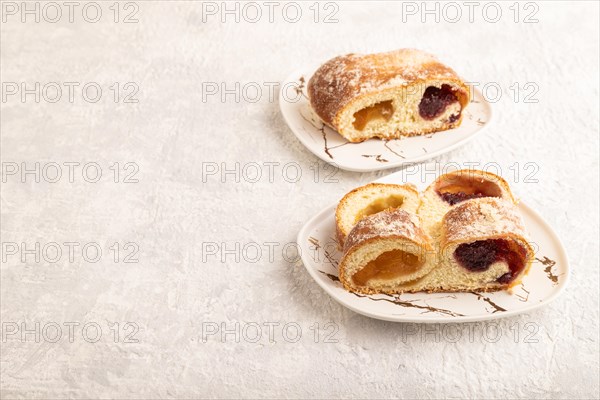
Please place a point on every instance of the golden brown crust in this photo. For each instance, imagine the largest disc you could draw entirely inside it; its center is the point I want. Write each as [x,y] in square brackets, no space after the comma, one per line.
[340,235]
[390,223]
[479,219]
[367,290]
[394,225]
[347,78]
[475,219]
[483,219]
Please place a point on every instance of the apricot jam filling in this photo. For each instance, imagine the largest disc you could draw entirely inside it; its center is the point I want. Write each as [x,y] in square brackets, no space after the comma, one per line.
[479,255]
[388,266]
[382,110]
[435,100]
[393,201]
[464,187]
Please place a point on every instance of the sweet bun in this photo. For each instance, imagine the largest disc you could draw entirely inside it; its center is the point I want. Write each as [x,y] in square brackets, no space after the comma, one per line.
[387,95]
[483,246]
[455,187]
[467,235]
[371,199]
[384,251]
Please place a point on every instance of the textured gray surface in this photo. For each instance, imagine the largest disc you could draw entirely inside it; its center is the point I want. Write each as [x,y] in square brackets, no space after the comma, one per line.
[174,217]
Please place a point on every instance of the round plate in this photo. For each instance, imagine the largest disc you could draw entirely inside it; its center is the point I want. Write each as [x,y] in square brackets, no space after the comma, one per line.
[546,279]
[373,154]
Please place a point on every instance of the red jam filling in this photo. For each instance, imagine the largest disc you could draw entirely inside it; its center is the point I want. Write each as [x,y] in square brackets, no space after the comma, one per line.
[435,100]
[478,256]
[453,198]
[461,187]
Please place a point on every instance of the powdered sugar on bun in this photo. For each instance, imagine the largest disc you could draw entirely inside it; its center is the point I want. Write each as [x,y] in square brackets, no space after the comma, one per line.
[345,85]
[482,218]
[477,243]
[387,224]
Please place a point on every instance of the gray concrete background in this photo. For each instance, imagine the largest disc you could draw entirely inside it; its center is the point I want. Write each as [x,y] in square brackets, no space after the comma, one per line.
[174,221]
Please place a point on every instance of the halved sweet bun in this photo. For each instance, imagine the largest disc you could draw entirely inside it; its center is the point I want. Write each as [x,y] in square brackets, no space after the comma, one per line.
[388,95]
[371,199]
[483,246]
[467,235]
[455,187]
[384,251]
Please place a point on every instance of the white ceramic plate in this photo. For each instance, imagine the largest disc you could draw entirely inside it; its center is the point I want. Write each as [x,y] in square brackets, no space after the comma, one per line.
[547,278]
[374,154]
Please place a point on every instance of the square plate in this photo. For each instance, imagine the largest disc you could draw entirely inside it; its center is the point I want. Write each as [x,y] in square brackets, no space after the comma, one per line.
[373,154]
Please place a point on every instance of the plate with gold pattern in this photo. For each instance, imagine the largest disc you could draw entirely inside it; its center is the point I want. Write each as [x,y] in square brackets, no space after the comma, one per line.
[373,154]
